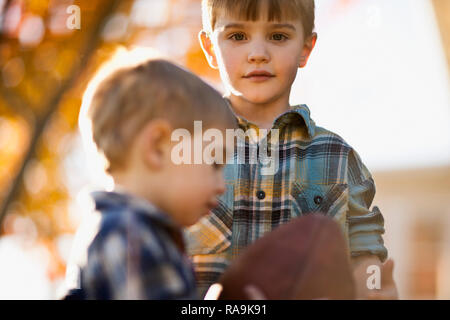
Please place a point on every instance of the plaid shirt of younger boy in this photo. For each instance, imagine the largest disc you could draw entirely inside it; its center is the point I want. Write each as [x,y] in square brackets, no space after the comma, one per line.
[136,254]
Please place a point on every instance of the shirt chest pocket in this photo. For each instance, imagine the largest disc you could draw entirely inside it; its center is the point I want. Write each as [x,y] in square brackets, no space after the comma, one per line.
[328,199]
[212,234]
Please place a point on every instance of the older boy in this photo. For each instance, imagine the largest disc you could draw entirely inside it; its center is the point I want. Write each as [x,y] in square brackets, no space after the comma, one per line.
[138,250]
[258,46]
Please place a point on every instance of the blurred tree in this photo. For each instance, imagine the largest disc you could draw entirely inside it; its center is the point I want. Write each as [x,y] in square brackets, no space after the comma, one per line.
[39,68]
[45,65]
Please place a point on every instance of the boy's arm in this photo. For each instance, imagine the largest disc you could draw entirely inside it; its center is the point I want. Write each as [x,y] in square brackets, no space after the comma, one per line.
[388,288]
[365,232]
[365,225]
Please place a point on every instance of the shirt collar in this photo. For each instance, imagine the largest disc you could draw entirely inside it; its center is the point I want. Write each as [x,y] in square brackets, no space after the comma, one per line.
[300,111]
[110,200]
[296,112]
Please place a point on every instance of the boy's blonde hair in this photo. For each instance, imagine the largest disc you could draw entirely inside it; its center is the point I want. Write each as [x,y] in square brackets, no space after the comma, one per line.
[251,10]
[130,97]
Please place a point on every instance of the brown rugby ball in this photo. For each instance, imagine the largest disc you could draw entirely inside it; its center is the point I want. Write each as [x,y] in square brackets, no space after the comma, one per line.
[306,258]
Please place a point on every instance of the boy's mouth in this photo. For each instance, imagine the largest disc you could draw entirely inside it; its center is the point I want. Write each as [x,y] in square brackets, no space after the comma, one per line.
[258,75]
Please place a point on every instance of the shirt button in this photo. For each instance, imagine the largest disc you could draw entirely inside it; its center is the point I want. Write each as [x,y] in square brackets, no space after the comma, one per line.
[261,194]
[318,200]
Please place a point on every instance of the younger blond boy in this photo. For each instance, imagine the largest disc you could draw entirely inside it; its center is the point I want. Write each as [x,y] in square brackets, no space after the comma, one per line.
[138,249]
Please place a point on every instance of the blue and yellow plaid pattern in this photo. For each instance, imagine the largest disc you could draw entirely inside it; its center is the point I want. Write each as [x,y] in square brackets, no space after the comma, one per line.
[318,172]
[137,253]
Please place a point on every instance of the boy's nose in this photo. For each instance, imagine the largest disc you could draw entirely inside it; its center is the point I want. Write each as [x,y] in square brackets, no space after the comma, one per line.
[258,54]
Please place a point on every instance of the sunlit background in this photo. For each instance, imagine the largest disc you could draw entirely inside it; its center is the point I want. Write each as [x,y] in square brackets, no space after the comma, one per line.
[379,77]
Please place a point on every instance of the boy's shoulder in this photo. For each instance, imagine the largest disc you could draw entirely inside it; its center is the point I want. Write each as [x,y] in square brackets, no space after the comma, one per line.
[321,133]
[334,146]
[134,234]
[317,134]
[337,146]
[125,218]
[117,212]
[324,144]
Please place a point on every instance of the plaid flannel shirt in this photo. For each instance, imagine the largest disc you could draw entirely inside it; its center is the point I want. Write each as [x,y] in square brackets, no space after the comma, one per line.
[137,253]
[318,172]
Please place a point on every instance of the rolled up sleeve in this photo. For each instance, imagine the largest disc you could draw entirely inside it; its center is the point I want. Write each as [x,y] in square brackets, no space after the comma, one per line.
[365,225]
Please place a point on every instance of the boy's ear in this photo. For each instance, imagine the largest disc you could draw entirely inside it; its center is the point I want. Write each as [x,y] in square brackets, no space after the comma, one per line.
[208,49]
[156,143]
[308,46]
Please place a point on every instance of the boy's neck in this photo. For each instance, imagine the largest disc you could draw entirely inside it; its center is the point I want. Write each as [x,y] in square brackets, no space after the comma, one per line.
[126,182]
[261,114]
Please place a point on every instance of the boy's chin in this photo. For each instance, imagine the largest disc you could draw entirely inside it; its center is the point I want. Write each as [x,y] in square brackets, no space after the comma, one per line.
[254,99]
[258,97]
[191,219]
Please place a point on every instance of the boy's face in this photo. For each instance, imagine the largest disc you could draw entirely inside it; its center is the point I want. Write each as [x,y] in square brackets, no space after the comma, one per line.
[258,61]
[185,191]
[192,189]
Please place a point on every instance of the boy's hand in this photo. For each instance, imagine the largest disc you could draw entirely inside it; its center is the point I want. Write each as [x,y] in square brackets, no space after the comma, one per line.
[252,292]
[214,292]
[388,288]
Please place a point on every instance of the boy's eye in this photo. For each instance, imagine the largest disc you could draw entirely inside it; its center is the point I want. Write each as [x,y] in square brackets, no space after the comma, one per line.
[237,36]
[279,37]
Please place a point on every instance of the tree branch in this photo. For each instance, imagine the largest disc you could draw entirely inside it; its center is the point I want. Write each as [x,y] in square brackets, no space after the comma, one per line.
[17,104]
[42,121]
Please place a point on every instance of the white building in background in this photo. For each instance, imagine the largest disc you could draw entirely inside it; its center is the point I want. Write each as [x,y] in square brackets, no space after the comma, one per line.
[379,77]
